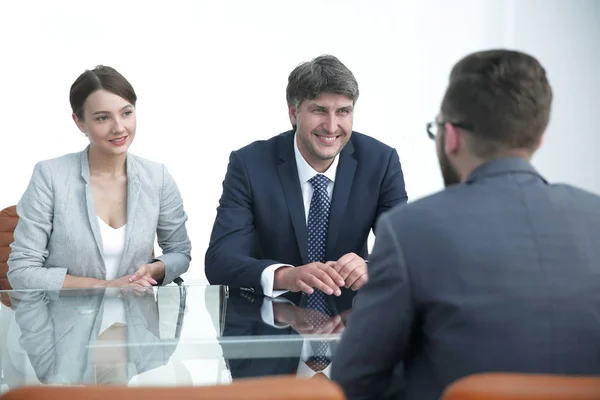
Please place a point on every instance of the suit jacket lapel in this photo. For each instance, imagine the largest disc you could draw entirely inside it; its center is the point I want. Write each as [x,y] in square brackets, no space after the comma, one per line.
[89,201]
[288,176]
[341,192]
[133,193]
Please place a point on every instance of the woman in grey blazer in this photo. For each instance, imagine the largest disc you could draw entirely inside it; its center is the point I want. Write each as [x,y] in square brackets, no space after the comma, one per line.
[74,203]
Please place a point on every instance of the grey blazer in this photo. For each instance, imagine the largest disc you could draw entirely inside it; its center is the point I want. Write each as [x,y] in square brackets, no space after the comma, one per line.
[58,231]
[501,273]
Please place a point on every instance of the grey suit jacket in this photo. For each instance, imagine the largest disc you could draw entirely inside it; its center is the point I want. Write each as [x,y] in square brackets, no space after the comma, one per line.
[501,273]
[58,231]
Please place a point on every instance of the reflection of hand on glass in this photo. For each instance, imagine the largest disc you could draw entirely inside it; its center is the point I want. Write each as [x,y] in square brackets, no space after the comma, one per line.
[138,291]
[307,321]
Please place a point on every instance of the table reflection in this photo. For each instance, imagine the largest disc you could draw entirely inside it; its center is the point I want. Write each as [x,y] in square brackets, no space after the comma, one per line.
[310,335]
[168,336]
[85,337]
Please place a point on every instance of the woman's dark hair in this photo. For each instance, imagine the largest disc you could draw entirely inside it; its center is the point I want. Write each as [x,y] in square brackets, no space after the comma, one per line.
[101,77]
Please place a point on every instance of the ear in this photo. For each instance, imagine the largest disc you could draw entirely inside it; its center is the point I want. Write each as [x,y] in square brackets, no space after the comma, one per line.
[539,143]
[292,113]
[79,123]
[454,139]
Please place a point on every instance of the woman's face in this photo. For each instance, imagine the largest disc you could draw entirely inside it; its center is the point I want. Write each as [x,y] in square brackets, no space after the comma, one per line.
[109,122]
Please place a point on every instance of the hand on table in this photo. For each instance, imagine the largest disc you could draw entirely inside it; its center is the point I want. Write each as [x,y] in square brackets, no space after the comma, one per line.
[352,269]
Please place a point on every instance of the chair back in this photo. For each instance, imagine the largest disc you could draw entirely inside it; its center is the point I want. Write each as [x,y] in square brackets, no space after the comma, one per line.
[268,388]
[509,386]
[8,223]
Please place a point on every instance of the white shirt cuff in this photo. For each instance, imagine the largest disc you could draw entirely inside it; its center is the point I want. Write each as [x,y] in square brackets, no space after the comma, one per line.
[267,280]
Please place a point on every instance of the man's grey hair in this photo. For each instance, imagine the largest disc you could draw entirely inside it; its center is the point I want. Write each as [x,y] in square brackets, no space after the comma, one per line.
[324,74]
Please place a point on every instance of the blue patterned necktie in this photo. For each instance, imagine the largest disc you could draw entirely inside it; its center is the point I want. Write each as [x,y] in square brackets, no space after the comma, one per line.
[318,222]
[318,219]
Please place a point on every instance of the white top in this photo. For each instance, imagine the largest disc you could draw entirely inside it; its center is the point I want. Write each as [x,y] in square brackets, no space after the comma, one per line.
[113,241]
[305,173]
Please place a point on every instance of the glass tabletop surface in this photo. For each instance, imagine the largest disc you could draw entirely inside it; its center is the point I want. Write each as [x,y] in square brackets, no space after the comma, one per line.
[164,336]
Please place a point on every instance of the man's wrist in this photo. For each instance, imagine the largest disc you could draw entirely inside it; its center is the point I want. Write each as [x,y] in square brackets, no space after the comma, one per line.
[279,278]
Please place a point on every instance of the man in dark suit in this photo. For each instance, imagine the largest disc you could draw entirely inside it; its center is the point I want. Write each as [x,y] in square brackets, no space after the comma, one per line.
[297,209]
[498,272]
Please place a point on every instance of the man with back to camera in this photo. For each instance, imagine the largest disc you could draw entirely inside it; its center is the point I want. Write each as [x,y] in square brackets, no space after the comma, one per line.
[498,272]
[297,209]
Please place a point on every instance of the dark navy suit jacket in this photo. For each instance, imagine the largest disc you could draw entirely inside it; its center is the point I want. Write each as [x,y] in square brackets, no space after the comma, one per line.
[261,219]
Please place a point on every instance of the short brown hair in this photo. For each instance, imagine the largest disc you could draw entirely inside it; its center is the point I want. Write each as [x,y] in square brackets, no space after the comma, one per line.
[324,74]
[504,96]
[101,77]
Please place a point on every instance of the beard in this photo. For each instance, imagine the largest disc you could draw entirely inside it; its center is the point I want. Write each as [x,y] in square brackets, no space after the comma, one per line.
[449,173]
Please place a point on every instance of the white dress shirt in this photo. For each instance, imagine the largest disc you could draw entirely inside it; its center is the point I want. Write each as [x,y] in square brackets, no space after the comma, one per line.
[113,241]
[268,316]
[305,173]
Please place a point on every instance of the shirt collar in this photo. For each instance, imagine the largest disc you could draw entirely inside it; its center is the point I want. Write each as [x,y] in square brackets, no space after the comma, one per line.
[503,166]
[306,172]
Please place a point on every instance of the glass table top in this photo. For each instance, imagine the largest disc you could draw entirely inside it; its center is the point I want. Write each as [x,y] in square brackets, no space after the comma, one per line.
[164,336]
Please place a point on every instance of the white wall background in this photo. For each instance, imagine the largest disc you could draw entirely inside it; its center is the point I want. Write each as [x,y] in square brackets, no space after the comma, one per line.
[211,75]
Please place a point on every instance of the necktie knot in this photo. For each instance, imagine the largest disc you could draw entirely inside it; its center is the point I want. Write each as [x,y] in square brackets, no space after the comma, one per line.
[319,182]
